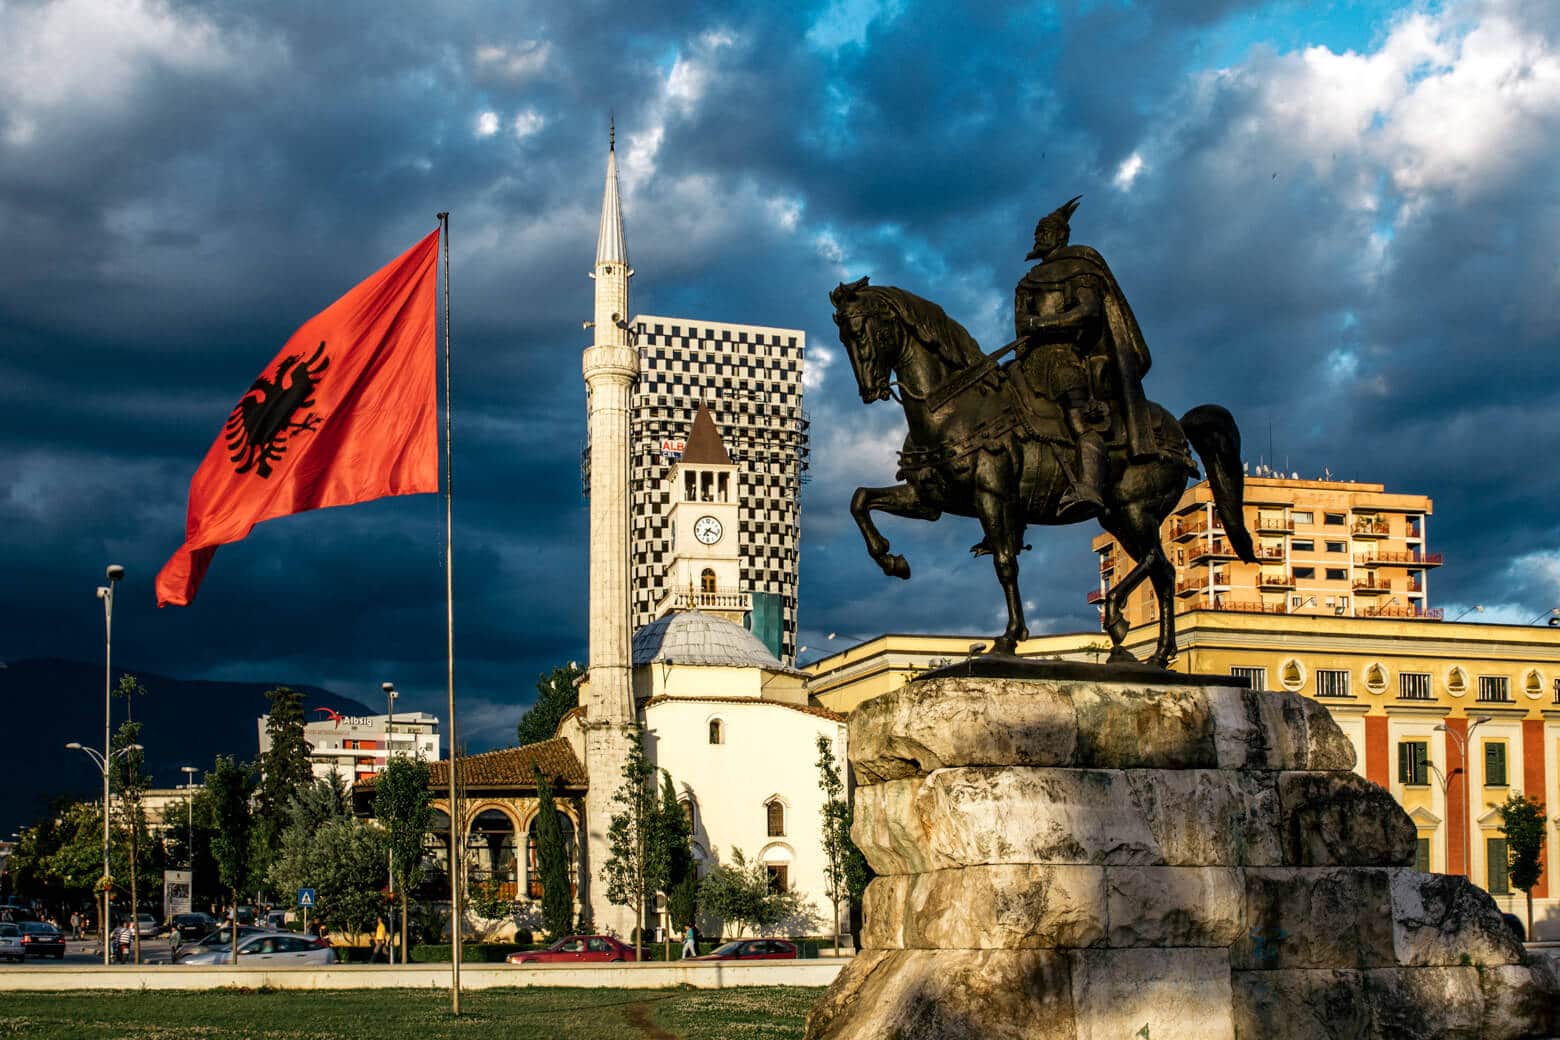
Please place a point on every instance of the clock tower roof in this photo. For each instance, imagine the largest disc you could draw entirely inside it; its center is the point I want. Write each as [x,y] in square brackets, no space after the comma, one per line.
[704,447]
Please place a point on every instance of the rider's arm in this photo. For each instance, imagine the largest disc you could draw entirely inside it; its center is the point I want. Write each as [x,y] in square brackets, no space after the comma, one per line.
[1086,308]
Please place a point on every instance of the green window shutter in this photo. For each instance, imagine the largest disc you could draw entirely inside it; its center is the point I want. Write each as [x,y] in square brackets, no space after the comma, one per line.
[1494,764]
[1500,883]
[1422,855]
[1421,762]
[1404,768]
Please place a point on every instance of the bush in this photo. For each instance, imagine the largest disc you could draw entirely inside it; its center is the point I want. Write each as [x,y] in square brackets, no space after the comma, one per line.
[471,953]
[523,937]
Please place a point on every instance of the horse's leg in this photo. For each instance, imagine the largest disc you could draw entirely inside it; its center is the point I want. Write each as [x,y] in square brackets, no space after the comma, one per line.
[1115,619]
[899,500]
[1137,529]
[1004,530]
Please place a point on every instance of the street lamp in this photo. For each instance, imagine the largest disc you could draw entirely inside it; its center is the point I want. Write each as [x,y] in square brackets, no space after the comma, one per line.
[391,693]
[1476,608]
[189,823]
[103,765]
[114,573]
[1463,741]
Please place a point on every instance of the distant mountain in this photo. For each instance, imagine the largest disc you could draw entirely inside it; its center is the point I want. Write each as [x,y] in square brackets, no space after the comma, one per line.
[49,702]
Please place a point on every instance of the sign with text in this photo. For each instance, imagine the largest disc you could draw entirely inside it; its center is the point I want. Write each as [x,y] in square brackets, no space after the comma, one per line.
[176,892]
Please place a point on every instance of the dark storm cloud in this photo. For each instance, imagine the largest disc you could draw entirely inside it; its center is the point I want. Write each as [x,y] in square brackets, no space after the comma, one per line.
[182,185]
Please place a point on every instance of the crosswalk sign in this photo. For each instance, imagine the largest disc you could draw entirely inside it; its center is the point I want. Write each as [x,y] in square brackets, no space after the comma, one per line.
[306,897]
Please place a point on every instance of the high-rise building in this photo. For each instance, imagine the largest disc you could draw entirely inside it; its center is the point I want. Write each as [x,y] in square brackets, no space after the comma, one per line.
[1324,547]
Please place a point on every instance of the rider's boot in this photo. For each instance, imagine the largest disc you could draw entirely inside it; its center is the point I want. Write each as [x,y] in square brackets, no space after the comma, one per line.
[1087,496]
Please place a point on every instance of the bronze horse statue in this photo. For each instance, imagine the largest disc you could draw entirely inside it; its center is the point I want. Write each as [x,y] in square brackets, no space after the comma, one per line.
[976,448]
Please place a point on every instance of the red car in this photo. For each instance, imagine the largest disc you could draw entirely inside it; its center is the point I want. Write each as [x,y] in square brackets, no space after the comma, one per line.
[751,950]
[577,949]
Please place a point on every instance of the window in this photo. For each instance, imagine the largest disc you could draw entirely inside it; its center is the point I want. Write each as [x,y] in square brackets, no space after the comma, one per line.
[1303,517]
[1497,864]
[597,945]
[1337,574]
[1414,686]
[1422,855]
[1256,678]
[1413,763]
[1494,688]
[1494,763]
[1305,573]
[775,818]
[1333,519]
[717,732]
[1337,547]
[1301,545]
[707,581]
[1332,682]
[778,882]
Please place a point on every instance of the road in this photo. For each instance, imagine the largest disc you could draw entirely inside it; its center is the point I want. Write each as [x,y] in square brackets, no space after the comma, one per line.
[87,951]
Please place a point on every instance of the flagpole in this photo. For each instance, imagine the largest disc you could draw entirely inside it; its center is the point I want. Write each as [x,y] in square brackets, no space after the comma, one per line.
[456,866]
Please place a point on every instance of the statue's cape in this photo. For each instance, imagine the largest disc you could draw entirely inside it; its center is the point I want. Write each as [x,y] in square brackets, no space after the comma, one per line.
[1068,263]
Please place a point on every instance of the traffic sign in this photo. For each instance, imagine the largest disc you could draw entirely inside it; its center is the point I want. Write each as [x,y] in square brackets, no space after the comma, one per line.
[305,897]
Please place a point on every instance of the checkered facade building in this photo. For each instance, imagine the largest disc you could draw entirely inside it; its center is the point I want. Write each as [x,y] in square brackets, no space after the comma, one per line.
[750,377]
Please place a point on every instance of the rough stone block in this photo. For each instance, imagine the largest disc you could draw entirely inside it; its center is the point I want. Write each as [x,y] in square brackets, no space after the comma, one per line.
[889,830]
[1123,728]
[991,907]
[1270,730]
[1424,1003]
[1316,918]
[1520,1001]
[1162,994]
[1175,906]
[1341,819]
[1209,817]
[949,995]
[1441,919]
[1300,1004]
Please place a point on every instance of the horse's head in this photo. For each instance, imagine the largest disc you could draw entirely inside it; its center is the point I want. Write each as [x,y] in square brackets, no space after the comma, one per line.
[871,336]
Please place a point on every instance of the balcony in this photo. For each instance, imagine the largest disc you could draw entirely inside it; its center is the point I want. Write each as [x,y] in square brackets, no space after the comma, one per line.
[697,599]
[1107,562]
[1370,527]
[1274,553]
[1188,586]
[1371,586]
[1096,596]
[1411,613]
[1193,525]
[1234,606]
[1275,525]
[1388,558]
[1275,580]
[1220,549]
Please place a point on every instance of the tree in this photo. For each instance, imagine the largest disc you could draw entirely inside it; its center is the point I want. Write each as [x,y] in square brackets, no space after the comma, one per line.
[1522,822]
[231,786]
[130,780]
[740,894]
[836,829]
[343,860]
[682,878]
[284,770]
[556,696]
[637,864]
[552,862]
[401,805]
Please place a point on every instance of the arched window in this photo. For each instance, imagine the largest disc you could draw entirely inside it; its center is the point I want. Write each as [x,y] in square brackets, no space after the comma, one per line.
[775,812]
[717,732]
[707,582]
[490,849]
[687,810]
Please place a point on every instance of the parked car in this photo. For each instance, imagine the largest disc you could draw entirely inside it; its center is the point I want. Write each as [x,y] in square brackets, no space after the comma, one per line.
[16,912]
[11,947]
[222,938]
[279,949]
[751,950]
[145,924]
[577,949]
[42,940]
[190,927]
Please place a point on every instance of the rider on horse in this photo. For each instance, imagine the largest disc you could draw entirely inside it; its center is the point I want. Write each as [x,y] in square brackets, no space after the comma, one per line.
[1079,345]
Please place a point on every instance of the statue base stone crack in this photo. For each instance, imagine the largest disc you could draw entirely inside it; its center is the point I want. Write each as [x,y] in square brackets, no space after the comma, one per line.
[1066,859]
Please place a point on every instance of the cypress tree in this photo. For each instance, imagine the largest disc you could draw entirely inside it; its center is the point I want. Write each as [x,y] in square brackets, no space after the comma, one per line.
[552,862]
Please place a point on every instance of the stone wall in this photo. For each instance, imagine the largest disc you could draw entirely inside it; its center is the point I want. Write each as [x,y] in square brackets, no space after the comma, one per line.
[1078,861]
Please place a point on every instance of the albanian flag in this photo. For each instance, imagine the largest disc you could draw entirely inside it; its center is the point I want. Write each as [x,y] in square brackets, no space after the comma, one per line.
[348,411]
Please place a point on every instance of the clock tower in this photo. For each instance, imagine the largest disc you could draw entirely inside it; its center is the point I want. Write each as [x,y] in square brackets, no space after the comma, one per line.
[704,572]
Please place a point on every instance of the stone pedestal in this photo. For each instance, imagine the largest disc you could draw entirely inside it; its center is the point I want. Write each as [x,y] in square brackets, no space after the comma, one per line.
[1083,861]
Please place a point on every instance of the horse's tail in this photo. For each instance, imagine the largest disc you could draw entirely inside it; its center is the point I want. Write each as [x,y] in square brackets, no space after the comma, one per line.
[1214,435]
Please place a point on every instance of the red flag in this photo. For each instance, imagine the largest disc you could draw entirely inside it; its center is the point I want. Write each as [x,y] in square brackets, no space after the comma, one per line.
[348,411]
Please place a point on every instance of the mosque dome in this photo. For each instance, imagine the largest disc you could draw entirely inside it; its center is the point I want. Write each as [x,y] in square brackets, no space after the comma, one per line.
[693,637]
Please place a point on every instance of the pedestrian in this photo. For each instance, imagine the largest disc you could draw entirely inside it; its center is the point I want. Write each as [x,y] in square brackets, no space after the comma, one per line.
[690,941]
[381,942]
[75,924]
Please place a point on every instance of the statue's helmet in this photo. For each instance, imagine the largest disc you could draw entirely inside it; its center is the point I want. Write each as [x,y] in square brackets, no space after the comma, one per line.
[1053,229]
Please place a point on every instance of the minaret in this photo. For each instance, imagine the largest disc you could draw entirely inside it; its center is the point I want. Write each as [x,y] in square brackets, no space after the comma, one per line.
[611,365]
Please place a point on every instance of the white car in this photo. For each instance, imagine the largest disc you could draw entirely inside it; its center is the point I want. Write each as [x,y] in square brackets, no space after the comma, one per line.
[11,942]
[276,949]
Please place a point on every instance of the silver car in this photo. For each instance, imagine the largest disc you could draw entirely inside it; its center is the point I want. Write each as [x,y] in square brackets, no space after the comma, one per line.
[275,949]
[11,942]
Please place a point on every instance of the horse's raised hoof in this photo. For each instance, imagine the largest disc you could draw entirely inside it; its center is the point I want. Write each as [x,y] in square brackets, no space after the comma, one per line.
[980,548]
[895,566]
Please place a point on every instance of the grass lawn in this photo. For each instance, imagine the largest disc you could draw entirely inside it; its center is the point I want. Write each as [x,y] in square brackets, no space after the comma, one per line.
[760,1013]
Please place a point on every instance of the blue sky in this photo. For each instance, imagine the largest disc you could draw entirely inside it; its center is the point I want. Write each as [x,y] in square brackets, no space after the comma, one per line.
[1338,219]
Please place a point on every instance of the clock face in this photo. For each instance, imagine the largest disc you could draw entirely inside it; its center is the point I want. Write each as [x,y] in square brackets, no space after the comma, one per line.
[707,530]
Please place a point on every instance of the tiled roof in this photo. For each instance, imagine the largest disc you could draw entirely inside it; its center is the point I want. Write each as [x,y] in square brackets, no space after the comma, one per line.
[805,709]
[693,637]
[510,767]
[704,447]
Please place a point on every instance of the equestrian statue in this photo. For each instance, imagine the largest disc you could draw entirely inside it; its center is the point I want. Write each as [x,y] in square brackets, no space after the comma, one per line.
[1058,433]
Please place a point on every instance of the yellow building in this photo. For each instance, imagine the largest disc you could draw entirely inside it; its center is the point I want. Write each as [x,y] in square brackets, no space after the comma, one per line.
[1420,702]
[1325,548]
